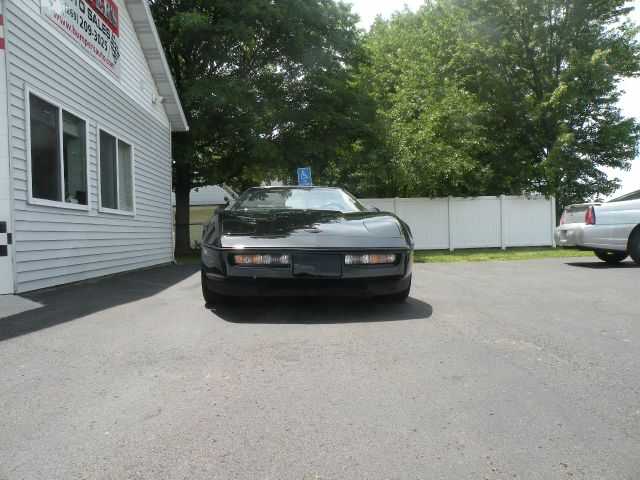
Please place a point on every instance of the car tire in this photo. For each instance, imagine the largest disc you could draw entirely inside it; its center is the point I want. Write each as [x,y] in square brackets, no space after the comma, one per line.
[211,297]
[396,297]
[634,247]
[610,257]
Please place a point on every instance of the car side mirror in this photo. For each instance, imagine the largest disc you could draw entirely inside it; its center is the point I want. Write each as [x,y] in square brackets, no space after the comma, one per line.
[372,209]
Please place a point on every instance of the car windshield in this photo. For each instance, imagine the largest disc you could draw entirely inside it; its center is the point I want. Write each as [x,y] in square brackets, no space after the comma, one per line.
[629,196]
[333,199]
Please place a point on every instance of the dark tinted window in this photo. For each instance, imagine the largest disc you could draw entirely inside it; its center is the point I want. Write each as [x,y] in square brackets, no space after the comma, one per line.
[108,171]
[58,172]
[74,159]
[45,148]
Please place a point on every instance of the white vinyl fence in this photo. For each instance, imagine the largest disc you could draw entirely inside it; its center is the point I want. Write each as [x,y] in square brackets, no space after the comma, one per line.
[479,222]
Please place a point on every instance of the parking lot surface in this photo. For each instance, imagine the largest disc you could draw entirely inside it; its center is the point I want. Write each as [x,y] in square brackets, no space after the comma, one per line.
[500,370]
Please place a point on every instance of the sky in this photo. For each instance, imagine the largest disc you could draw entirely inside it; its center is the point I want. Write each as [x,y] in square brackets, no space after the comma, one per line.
[629,103]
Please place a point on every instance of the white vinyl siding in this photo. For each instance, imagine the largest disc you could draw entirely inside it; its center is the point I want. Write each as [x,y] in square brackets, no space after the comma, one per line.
[56,245]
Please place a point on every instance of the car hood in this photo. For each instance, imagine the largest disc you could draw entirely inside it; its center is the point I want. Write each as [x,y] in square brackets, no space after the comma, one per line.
[310,228]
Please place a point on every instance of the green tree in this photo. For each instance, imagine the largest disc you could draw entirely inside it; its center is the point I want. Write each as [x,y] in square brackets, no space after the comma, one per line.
[562,62]
[504,96]
[433,133]
[266,86]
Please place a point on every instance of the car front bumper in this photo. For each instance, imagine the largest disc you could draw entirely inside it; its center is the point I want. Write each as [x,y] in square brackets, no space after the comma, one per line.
[226,279]
[244,287]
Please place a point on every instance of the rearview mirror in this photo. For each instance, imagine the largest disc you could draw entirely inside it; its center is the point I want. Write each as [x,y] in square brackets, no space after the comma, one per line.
[372,209]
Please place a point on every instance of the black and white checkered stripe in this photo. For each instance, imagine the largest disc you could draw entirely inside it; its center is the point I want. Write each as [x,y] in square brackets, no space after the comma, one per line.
[6,239]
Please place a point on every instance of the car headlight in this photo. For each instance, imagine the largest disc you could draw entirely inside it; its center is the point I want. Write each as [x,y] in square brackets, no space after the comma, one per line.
[370,259]
[262,260]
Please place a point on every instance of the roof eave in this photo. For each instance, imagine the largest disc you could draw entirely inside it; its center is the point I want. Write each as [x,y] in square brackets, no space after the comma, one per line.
[152,47]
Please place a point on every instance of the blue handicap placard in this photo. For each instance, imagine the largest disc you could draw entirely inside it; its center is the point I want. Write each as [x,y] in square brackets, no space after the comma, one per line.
[304,176]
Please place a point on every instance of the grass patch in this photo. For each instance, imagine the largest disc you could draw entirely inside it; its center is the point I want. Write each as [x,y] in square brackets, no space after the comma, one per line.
[493,254]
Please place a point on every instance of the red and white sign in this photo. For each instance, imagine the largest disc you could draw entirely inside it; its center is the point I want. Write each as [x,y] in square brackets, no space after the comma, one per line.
[93,24]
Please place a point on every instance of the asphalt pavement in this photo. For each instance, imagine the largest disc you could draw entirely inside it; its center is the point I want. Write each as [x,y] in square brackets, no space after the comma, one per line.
[525,370]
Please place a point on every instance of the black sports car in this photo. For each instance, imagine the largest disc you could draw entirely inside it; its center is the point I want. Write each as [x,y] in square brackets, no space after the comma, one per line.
[281,241]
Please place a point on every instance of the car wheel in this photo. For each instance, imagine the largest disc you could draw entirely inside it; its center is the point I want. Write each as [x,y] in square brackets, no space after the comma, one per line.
[211,297]
[611,257]
[396,297]
[634,247]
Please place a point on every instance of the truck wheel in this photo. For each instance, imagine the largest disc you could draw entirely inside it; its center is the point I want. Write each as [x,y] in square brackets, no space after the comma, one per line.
[211,297]
[634,247]
[611,257]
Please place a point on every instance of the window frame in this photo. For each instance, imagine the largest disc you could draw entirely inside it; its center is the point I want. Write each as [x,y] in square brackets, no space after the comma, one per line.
[115,211]
[31,200]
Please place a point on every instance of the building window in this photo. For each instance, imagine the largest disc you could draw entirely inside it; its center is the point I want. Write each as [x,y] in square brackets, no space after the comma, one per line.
[116,174]
[58,154]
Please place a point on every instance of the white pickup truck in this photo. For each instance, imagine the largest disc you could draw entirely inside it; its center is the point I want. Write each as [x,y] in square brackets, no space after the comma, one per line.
[611,229]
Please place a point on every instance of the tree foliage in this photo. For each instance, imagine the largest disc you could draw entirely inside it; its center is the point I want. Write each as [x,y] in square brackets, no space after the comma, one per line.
[463,97]
[266,86]
[504,96]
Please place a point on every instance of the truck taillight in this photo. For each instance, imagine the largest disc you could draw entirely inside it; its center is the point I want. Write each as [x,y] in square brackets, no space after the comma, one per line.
[590,216]
[563,218]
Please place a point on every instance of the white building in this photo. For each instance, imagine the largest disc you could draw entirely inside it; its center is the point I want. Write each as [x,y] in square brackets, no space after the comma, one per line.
[202,202]
[87,107]
[209,196]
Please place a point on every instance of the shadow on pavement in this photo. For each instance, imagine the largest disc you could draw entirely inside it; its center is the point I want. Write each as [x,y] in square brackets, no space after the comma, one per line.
[304,310]
[599,265]
[69,302]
